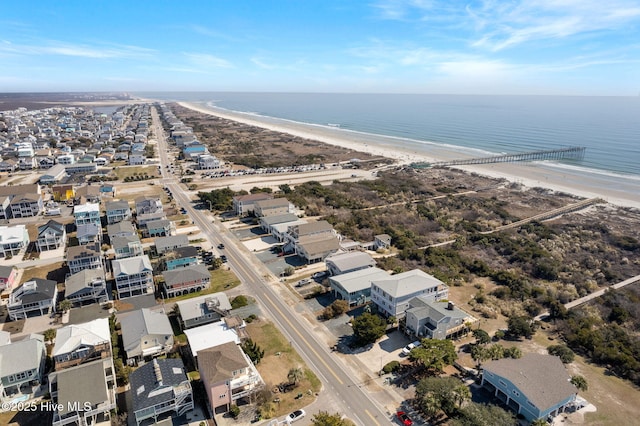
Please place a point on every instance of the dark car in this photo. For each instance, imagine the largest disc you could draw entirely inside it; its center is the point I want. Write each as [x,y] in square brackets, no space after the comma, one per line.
[220,246]
[224,258]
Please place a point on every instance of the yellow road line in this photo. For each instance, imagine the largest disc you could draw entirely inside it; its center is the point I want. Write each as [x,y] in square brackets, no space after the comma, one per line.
[372,418]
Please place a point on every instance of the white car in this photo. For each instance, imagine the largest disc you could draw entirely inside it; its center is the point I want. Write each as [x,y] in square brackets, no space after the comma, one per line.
[407,349]
[295,416]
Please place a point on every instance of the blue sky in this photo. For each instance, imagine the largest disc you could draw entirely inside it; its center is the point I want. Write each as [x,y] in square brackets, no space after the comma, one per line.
[577,47]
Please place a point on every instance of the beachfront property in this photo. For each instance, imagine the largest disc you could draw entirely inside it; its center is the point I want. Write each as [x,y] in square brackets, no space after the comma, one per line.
[81,167]
[245,204]
[26,205]
[203,310]
[208,162]
[355,287]
[228,375]
[392,295]
[273,207]
[146,334]
[13,240]
[144,218]
[87,194]
[86,287]
[84,394]
[77,344]
[87,213]
[316,248]
[84,257]
[133,276]
[189,279]
[52,235]
[535,386]
[267,222]
[342,263]
[117,211]
[128,246]
[158,388]
[53,175]
[22,368]
[33,298]
[430,319]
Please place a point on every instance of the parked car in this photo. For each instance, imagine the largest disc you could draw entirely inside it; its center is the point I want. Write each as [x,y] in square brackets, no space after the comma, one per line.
[404,418]
[224,258]
[320,274]
[295,416]
[220,246]
[407,349]
[304,282]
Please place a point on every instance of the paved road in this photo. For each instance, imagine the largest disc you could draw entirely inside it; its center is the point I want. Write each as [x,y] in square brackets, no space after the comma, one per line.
[353,401]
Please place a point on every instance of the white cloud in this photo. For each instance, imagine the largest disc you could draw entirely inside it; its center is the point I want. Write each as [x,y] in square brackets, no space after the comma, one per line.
[207,60]
[56,48]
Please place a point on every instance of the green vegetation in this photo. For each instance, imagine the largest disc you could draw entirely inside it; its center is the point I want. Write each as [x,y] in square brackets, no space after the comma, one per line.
[335,309]
[221,199]
[580,382]
[566,355]
[446,394]
[323,418]
[475,414]
[434,355]
[367,328]
[253,351]
[239,301]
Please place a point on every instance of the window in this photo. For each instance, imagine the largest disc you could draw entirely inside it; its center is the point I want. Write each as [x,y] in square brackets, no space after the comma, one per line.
[224,395]
[515,392]
[503,383]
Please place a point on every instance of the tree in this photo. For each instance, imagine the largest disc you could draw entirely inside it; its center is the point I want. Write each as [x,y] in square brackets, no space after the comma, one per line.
[434,354]
[234,410]
[50,335]
[580,382]
[65,305]
[337,308]
[446,393]
[253,351]
[512,352]
[520,327]
[495,351]
[323,418]
[479,354]
[481,336]
[295,375]
[367,328]
[564,352]
[475,414]
[239,301]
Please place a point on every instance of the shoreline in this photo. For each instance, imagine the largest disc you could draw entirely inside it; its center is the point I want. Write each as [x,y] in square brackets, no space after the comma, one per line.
[530,175]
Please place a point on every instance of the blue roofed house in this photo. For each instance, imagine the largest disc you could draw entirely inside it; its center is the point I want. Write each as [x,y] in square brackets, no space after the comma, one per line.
[194,150]
[22,368]
[535,386]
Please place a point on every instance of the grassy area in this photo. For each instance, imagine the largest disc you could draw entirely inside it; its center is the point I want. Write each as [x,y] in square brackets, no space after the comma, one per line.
[53,271]
[128,171]
[279,358]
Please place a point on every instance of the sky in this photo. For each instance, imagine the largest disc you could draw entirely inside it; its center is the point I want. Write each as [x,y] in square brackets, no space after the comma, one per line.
[562,47]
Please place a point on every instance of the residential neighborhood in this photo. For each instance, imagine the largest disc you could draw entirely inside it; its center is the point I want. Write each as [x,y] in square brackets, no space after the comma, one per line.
[147,307]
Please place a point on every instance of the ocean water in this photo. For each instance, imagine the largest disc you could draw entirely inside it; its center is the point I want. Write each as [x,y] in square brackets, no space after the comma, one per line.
[609,127]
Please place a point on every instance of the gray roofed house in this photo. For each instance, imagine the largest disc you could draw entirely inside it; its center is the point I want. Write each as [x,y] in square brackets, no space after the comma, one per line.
[186,280]
[22,366]
[120,229]
[244,204]
[117,211]
[143,219]
[316,247]
[158,228]
[355,287]
[341,263]
[436,320]
[51,235]
[86,286]
[145,333]
[165,244]
[145,205]
[535,386]
[88,233]
[133,276]
[392,295]
[272,207]
[267,222]
[382,241]
[158,388]
[311,228]
[180,258]
[203,310]
[33,298]
[127,246]
[84,394]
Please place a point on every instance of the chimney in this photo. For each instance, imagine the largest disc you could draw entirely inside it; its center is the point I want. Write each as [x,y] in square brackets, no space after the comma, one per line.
[450,306]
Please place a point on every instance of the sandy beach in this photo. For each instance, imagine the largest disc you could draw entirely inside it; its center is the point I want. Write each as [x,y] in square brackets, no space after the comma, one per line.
[622,192]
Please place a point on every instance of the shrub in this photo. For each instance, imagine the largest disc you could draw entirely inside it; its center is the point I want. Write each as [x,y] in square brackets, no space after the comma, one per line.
[390,367]
[234,411]
[239,301]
